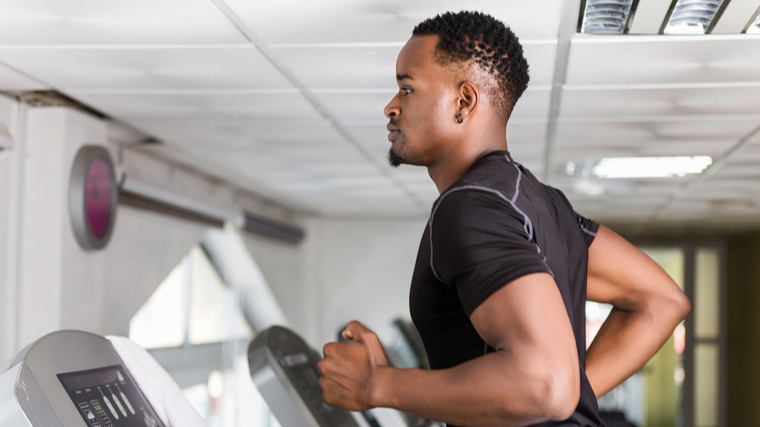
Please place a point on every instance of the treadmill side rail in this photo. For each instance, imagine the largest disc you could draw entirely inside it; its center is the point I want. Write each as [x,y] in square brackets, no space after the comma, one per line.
[23,395]
[11,414]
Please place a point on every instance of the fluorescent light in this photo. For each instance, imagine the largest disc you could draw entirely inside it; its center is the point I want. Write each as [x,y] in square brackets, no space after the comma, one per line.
[650,167]
[755,27]
[692,16]
[606,16]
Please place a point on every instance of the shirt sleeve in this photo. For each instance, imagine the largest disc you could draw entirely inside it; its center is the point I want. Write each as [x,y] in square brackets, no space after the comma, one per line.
[480,242]
[589,228]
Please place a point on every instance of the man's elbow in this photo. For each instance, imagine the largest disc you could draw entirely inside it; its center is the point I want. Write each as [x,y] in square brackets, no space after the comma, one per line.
[563,392]
[678,305]
[554,392]
[682,305]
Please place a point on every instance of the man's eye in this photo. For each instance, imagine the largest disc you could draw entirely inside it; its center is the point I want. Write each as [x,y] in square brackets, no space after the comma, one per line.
[406,91]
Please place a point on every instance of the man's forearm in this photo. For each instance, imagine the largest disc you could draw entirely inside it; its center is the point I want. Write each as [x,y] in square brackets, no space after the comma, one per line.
[490,390]
[626,342]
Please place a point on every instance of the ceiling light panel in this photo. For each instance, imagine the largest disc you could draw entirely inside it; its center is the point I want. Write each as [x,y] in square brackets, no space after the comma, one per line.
[606,16]
[191,68]
[692,16]
[382,21]
[76,22]
[650,167]
[677,60]
[736,16]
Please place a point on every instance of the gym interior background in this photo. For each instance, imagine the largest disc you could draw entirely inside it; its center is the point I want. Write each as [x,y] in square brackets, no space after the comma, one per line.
[261,122]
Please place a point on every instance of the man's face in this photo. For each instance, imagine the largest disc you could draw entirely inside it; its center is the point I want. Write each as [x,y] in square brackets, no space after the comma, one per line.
[422,114]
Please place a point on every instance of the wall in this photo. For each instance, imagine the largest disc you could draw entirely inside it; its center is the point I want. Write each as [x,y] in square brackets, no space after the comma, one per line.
[8,161]
[284,268]
[362,270]
[56,284]
[344,269]
[744,330]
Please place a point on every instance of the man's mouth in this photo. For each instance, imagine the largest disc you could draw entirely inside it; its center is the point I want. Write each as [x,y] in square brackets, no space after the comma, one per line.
[393,131]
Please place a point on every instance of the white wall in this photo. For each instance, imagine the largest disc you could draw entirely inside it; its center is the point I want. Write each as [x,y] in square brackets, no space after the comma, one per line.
[8,116]
[362,270]
[343,270]
[59,285]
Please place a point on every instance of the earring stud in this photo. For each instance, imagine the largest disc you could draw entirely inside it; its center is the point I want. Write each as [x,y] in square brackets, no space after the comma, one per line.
[459,118]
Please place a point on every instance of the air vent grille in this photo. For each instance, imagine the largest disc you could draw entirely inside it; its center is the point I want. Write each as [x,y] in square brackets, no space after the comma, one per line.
[606,16]
[692,16]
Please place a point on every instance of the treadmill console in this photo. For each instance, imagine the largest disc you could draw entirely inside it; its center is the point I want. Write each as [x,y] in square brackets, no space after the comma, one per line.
[284,369]
[106,397]
[72,379]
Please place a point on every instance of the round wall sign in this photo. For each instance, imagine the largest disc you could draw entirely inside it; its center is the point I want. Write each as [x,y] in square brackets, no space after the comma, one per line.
[93,197]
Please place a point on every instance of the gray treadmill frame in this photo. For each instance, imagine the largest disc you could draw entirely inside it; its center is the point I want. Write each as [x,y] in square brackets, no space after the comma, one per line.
[38,390]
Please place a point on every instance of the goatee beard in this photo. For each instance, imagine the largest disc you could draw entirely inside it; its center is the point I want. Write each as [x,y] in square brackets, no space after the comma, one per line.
[394,159]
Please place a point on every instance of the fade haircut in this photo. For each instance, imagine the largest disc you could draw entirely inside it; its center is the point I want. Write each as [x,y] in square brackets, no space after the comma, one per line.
[470,40]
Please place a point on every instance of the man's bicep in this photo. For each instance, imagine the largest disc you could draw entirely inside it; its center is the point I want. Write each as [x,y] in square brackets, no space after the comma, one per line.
[528,313]
[621,274]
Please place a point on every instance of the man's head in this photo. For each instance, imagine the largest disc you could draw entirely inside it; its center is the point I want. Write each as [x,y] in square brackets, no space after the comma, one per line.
[451,63]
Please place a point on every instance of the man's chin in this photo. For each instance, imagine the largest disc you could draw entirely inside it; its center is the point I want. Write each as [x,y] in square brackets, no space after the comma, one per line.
[394,159]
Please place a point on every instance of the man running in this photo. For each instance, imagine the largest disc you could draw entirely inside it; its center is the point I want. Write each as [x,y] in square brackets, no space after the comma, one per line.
[505,264]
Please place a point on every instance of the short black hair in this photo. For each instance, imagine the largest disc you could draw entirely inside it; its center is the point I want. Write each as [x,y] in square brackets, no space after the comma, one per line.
[480,39]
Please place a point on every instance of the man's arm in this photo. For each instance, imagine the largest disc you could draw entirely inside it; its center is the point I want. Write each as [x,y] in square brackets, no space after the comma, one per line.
[533,376]
[647,307]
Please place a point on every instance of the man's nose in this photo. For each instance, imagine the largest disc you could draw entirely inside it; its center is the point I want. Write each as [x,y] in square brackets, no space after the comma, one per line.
[391,111]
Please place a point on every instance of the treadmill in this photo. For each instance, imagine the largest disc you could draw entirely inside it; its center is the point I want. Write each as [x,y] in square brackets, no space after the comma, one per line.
[72,379]
[284,370]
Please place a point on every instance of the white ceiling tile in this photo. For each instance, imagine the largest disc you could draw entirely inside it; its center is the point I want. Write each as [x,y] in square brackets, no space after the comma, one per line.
[740,100]
[342,67]
[370,105]
[525,151]
[525,131]
[60,22]
[351,107]
[629,134]
[642,148]
[600,60]
[374,67]
[123,69]
[534,103]
[12,80]
[193,107]
[373,21]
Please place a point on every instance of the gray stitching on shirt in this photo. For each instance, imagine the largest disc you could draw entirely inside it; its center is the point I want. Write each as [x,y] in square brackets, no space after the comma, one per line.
[584,229]
[527,225]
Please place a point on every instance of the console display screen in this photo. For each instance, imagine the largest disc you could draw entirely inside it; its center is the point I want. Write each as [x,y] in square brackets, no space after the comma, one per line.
[107,397]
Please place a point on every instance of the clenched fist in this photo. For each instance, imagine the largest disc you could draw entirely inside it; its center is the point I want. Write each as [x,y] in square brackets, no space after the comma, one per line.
[348,369]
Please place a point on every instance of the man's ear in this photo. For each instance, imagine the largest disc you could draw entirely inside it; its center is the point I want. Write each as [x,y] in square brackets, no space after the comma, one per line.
[467,100]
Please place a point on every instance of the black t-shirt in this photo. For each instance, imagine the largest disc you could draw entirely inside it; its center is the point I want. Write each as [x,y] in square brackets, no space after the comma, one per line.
[495,225]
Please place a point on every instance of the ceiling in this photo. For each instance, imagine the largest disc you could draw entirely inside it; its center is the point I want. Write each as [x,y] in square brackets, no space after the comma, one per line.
[287,98]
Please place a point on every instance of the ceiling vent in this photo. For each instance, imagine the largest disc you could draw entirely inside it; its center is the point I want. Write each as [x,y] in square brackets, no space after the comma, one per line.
[606,16]
[672,17]
[693,16]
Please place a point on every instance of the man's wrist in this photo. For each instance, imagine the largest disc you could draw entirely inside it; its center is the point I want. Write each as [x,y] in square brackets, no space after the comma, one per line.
[382,379]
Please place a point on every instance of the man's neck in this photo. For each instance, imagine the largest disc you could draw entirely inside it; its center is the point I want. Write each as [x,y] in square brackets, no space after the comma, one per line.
[452,167]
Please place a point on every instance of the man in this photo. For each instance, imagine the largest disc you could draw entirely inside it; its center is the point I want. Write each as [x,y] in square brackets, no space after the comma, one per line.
[505,265]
